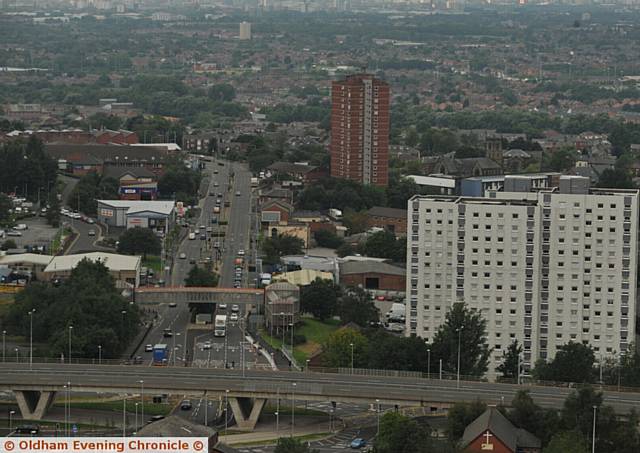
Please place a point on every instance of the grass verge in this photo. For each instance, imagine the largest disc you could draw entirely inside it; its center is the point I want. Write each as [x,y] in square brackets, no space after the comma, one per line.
[305,438]
[153,262]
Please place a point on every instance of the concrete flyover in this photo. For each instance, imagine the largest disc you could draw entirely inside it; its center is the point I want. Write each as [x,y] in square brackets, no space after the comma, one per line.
[199,295]
[247,394]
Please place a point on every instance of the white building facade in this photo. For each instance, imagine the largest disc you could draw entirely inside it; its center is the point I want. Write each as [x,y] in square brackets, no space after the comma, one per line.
[543,268]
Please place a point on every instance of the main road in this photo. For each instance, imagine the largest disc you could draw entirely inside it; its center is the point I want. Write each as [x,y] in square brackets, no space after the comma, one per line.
[309,386]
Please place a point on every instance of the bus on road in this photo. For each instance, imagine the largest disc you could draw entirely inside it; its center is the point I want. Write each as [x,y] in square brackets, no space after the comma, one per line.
[220,326]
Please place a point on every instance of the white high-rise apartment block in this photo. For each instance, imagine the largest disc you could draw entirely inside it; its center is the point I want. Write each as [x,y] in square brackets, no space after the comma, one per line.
[245,31]
[543,268]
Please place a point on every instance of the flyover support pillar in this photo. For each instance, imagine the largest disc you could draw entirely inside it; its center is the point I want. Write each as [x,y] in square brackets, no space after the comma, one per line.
[34,404]
[246,411]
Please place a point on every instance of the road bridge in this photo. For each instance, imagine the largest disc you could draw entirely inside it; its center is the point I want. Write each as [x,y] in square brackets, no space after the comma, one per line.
[247,392]
[199,295]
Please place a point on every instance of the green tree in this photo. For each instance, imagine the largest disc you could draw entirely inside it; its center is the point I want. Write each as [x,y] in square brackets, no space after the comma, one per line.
[460,415]
[5,210]
[281,245]
[199,276]
[468,326]
[573,362]
[89,189]
[383,244]
[328,239]
[337,350]
[345,250]
[560,160]
[8,245]
[53,210]
[292,445]
[568,442]
[179,183]
[526,414]
[400,190]
[401,434]
[615,179]
[356,222]
[510,361]
[320,298]
[89,301]
[357,307]
[392,352]
[136,241]
[577,411]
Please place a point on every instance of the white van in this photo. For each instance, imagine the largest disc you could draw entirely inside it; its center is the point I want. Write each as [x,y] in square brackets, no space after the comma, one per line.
[192,236]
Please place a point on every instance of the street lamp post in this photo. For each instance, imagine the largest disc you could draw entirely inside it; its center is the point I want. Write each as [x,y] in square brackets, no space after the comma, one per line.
[378,415]
[10,419]
[31,337]
[99,354]
[4,344]
[124,416]
[277,411]
[351,344]
[440,370]
[593,440]
[293,408]
[459,342]
[142,402]
[70,330]
[17,354]
[519,368]
[136,425]
[68,407]
[428,363]
[65,410]
[226,415]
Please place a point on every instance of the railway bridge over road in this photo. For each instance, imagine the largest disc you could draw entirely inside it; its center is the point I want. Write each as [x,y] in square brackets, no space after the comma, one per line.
[199,295]
[35,387]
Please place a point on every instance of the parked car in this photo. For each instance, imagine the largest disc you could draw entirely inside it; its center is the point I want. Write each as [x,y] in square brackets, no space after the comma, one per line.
[148,348]
[222,306]
[185,405]
[358,443]
[13,233]
[233,317]
[241,252]
[183,256]
[21,227]
[92,232]
[235,308]
[206,345]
